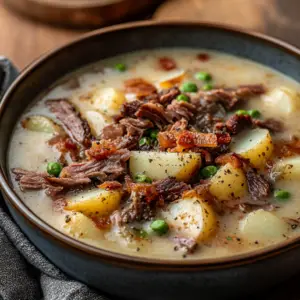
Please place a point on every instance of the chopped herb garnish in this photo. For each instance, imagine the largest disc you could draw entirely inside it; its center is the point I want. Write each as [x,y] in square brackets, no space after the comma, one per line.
[229,238]
[144,141]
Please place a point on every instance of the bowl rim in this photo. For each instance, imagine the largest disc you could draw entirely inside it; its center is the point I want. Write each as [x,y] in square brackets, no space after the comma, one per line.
[117,257]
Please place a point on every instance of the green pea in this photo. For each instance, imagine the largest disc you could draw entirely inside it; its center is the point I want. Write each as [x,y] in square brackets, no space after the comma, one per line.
[242,112]
[208,171]
[254,113]
[120,67]
[142,178]
[207,87]
[54,168]
[204,76]
[282,194]
[160,226]
[183,97]
[153,134]
[144,141]
[189,87]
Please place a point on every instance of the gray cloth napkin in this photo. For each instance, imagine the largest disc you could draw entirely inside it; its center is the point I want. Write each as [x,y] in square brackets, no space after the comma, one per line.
[25,274]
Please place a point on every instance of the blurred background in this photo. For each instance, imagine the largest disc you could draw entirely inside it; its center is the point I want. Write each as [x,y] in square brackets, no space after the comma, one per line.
[29,28]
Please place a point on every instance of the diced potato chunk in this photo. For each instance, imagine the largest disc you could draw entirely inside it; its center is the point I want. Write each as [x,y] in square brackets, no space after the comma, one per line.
[42,124]
[228,183]
[109,101]
[284,100]
[255,145]
[263,226]
[96,121]
[80,226]
[173,77]
[288,168]
[97,202]
[160,165]
[191,218]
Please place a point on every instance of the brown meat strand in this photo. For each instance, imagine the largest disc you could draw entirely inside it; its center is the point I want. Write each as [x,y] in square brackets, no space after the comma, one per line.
[139,86]
[236,123]
[113,131]
[270,124]
[230,97]
[287,148]
[77,128]
[154,112]
[166,96]
[170,189]
[107,169]
[129,109]
[181,109]
[136,127]
[69,182]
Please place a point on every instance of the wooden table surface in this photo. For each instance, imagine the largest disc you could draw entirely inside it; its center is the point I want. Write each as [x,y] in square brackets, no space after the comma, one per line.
[23,40]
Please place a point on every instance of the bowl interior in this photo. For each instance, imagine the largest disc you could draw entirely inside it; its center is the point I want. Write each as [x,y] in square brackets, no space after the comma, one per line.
[126,38]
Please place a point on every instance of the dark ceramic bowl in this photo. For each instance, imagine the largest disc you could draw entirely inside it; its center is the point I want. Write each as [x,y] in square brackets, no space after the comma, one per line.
[134,277]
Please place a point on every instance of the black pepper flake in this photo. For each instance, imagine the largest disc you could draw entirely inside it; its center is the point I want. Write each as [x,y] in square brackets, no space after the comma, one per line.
[67,218]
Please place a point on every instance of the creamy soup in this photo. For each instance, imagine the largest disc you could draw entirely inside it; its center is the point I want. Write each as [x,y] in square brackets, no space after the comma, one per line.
[169,153]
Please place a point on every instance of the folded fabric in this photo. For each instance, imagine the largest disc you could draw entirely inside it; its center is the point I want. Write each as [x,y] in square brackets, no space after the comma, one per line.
[25,274]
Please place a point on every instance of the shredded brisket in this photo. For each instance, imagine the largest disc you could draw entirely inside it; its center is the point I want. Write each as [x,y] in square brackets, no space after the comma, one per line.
[166,96]
[181,109]
[136,127]
[77,128]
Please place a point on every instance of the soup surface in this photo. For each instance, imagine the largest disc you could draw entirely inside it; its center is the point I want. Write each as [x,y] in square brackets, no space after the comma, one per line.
[168,153]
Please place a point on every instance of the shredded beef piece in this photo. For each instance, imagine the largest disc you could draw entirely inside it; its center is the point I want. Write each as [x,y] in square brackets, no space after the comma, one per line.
[179,125]
[154,112]
[69,182]
[207,115]
[230,97]
[129,109]
[236,123]
[181,109]
[77,128]
[139,86]
[270,124]
[258,187]
[111,185]
[127,142]
[29,180]
[110,168]
[141,204]
[136,127]
[189,244]
[166,96]
[167,63]
[170,189]
[112,131]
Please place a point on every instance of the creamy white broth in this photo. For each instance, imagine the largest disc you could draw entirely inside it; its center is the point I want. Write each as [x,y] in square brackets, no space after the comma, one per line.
[29,150]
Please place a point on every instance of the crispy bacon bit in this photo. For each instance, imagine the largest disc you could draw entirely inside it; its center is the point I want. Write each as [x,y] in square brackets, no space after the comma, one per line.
[102,223]
[203,57]
[139,86]
[166,140]
[231,158]
[110,185]
[287,148]
[223,138]
[236,123]
[155,112]
[188,139]
[167,63]
[65,145]
[101,150]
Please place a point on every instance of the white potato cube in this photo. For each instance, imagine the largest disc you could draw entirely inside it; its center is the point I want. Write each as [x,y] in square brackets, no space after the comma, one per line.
[96,121]
[263,226]
[160,165]
[287,168]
